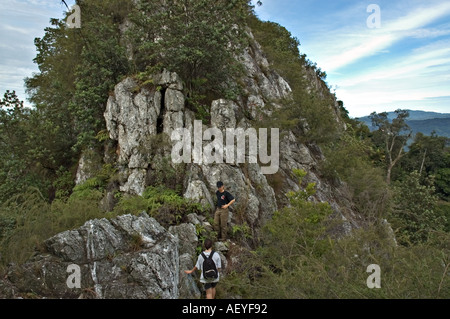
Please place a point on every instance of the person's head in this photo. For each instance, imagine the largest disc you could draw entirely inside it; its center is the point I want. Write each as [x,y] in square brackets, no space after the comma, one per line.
[220,186]
[208,243]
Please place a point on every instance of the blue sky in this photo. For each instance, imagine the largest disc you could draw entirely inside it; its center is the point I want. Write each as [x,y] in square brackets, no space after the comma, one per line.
[403,64]
[21,21]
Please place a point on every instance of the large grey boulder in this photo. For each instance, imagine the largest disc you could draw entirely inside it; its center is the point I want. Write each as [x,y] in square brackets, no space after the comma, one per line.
[125,257]
[188,241]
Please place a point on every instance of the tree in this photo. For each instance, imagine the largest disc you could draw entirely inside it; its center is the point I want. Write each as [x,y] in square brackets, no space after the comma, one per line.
[415,215]
[78,68]
[22,159]
[349,160]
[392,137]
[443,181]
[427,153]
[102,63]
[198,39]
[311,104]
[430,155]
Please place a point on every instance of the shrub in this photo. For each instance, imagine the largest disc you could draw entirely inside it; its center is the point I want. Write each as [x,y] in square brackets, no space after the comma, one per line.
[28,219]
[415,215]
[297,259]
[164,204]
[315,104]
[348,160]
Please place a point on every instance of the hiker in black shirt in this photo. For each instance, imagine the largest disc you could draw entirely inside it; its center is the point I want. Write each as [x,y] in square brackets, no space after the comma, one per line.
[224,200]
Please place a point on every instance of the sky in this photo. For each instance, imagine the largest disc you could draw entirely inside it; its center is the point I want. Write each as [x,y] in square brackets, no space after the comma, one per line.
[21,21]
[402,62]
[379,55]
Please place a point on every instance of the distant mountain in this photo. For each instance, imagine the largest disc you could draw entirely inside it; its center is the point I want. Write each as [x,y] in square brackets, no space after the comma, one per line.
[421,121]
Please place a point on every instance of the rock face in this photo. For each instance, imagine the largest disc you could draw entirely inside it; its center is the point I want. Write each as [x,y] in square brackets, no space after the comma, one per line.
[125,257]
[135,115]
[135,257]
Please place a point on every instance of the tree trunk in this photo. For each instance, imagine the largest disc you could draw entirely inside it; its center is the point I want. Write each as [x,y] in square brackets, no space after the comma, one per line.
[388,175]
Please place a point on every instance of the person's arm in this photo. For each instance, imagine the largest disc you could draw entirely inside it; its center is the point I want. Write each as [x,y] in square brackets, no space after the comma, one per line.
[229,204]
[191,271]
[231,200]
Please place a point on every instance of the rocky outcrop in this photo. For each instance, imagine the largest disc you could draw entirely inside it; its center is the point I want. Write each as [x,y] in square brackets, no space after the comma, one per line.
[125,257]
[136,115]
[134,256]
[188,241]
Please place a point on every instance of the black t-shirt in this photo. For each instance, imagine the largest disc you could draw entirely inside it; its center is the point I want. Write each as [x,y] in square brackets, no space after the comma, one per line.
[223,198]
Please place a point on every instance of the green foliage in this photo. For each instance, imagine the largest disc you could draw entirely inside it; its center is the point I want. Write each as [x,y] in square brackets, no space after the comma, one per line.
[443,209]
[77,70]
[241,232]
[198,102]
[102,136]
[103,63]
[294,233]
[27,219]
[349,159]
[164,204]
[19,160]
[63,184]
[199,40]
[415,213]
[391,137]
[164,172]
[94,187]
[443,182]
[315,104]
[298,260]
[430,155]
[90,189]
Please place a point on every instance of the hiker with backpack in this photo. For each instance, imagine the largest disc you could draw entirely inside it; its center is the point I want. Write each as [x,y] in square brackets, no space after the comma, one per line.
[208,263]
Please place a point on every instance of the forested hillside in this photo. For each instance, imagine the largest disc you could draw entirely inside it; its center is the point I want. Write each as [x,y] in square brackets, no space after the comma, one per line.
[96,144]
[421,122]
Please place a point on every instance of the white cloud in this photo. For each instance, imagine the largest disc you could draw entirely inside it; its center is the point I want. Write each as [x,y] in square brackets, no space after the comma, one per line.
[417,78]
[20,22]
[368,42]
[9,28]
[428,33]
[405,67]
[372,45]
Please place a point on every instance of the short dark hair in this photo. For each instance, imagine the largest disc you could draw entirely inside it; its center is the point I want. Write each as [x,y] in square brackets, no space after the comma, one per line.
[219,184]
[208,243]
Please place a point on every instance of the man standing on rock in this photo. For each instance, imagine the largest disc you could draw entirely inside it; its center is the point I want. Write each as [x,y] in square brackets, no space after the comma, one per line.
[224,200]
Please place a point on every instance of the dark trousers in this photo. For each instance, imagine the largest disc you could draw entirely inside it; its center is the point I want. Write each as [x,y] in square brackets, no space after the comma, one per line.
[221,222]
